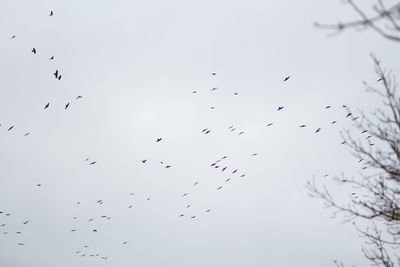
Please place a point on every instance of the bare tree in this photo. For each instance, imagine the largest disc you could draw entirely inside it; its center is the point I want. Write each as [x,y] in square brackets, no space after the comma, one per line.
[382,19]
[375,204]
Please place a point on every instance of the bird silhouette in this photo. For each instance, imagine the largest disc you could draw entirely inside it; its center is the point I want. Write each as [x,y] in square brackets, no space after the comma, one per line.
[9,129]
[158,139]
[67,105]
[47,105]
[269,124]
[78,97]
[51,58]
[26,134]
[34,51]
[302,126]
[318,130]
[56,74]
[328,107]
[59,77]
[279,108]
[51,13]
[13,37]
[213,73]
[144,161]
[93,162]
[286,78]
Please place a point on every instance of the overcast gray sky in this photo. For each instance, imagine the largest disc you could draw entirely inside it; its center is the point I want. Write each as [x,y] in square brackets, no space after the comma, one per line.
[136,64]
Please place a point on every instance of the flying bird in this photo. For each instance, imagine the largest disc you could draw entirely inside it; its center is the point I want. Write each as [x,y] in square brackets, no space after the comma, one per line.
[195,183]
[13,37]
[192,217]
[78,97]
[9,129]
[59,77]
[269,124]
[26,134]
[93,162]
[158,139]
[213,73]
[55,74]
[279,108]
[67,105]
[286,78]
[208,210]
[144,161]
[184,195]
[47,105]
[302,126]
[194,92]
[219,187]
[328,107]
[25,222]
[333,122]
[38,184]
[349,114]
[34,51]
[51,13]
[318,130]
[51,58]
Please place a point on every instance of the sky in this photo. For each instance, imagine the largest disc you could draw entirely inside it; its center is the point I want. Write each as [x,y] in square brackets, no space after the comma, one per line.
[145,70]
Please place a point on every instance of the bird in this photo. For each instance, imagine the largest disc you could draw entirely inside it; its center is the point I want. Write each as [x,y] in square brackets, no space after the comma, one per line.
[158,139]
[318,130]
[47,105]
[380,79]
[254,154]
[302,126]
[328,107]
[192,217]
[130,206]
[93,162]
[181,215]
[59,77]
[55,74]
[144,161]
[279,108]
[269,124]
[333,122]
[34,51]
[67,105]
[227,180]
[224,168]
[240,133]
[168,166]
[235,93]
[38,184]
[213,73]
[148,199]
[195,183]
[219,187]
[78,97]
[51,13]
[355,118]
[51,58]
[124,243]
[184,195]
[194,92]
[212,107]
[21,244]
[286,78]
[9,129]
[364,131]
[94,231]
[234,171]
[215,88]
[13,37]
[342,143]
[208,210]
[349,114]
[25,222]
[26,134]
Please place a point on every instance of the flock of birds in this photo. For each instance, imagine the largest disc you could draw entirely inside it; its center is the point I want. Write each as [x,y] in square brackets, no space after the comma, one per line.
[220,165]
